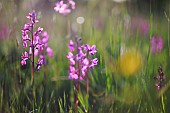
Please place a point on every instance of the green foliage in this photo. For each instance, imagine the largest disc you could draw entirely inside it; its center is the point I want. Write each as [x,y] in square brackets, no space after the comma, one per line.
[108,26]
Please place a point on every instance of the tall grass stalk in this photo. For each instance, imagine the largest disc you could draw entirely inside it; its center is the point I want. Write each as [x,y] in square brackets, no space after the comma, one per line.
[33,70]
[162,104]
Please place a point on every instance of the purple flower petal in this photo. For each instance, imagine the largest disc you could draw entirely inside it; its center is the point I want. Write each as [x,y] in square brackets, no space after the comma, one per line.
[40,63]
[93,63]
[70,55]
[159,44]
[86,47]
[156,44]
[24,57]
[24,44]
[30,50]
[85,62]
[158,86]
[73,76]
[39,30]
[36,52]
[23,62]
[72,61]
[92,50]
[32,17]
[49,52]
[71,46]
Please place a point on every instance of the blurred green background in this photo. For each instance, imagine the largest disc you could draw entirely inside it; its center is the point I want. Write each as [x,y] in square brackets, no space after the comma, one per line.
[123,80]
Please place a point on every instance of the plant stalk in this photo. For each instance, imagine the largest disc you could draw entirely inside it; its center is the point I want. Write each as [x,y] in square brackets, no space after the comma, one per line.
[32,47]
[76,96]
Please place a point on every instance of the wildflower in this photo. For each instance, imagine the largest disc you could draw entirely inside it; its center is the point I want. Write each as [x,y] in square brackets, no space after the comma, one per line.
[45,38]
[42,45]
[71,46]
[64,8]
[32,17]
[40,63]
[80,57]
[93,63]
[160,78]
[36,44]
[156,44]
[130,62]
[91,50]
[73,73]
[158,86]
[24,57]
[81,60]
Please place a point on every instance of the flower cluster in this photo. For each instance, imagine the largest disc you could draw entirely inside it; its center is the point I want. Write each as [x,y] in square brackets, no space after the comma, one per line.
[46,49]
[160,78]
[156,44]
[64,8]
[82,60]
[35,41]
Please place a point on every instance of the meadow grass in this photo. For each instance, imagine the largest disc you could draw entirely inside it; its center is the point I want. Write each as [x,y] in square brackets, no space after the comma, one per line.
[107,25]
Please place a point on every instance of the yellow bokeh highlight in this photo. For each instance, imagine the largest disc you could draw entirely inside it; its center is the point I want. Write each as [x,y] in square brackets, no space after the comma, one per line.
[130,63]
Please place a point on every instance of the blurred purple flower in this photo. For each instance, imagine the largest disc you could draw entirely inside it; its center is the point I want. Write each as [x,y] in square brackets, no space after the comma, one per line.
[49,52]
[4,32]
[93,63]
[40,63]
[140,25]
[70,55]
[158,86]
[161,78]
[86,47]
[71,58]
[32,17]
[64,8]
[85,65]
[80,54]
[73,73]
[39,30]
[24,57]
[71,46]
[45,38]
[85,62]
[34,42]
[42,45]
[156,44]
[92,50]
[80,62]
[37,44]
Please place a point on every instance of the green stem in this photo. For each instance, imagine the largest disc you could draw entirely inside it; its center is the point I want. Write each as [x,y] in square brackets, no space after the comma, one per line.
[87,85]
[32,47]
[87,80]
[45,87]
[162,104]
[33,70]
[77,85]
[76,96]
